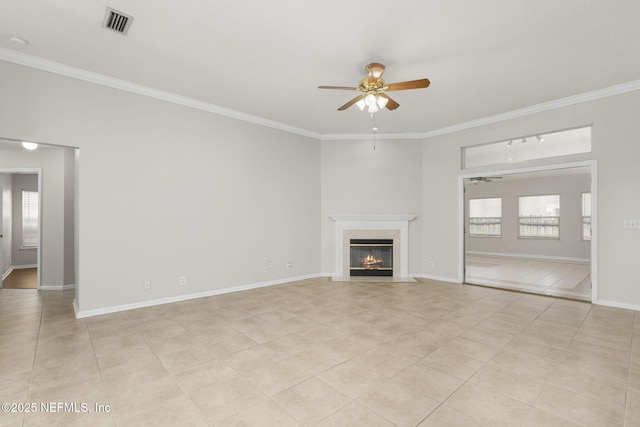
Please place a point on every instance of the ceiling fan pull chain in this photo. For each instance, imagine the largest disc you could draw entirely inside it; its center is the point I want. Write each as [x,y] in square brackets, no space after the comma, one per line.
[374,128]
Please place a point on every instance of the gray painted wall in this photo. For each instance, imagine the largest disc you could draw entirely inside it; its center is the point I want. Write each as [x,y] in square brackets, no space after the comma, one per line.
[165,190]
[358,180]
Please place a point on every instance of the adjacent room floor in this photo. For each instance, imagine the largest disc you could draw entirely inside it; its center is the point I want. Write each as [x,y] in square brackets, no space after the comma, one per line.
[317,352]
[546,277]
[21,278]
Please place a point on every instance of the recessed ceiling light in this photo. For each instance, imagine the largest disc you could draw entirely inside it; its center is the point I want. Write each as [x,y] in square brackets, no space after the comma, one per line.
[29,145]
[17,40]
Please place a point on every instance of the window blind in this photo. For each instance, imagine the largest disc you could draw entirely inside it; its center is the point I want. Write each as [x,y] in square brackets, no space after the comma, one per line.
[29,219]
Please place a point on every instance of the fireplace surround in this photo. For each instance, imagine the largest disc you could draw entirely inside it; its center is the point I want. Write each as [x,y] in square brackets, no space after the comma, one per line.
[391,227]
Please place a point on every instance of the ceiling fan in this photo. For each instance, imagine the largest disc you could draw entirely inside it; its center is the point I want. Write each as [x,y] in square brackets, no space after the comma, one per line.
[477,179]
[373,90]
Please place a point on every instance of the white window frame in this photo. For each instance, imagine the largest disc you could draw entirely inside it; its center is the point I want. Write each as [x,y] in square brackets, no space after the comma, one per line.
[486,222]
[30,219]
[544,222]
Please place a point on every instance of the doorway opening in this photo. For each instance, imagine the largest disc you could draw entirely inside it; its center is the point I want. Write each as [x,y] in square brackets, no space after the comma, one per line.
[20,228]
[531,230]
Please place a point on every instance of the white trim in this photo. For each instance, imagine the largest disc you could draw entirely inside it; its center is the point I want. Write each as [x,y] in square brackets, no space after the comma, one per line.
[16,267]
[594,232]
[538,108]
[57,287]
[593,164]
[80,314]
[76,73]
[22,267]
[373,217]
[438,278]
[100,79]
[398,223]
[529,256]
[617,304]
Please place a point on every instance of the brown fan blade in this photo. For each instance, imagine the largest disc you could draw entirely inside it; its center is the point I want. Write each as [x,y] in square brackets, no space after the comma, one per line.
[338,87]
[350,103]
[413,84]
[391,104]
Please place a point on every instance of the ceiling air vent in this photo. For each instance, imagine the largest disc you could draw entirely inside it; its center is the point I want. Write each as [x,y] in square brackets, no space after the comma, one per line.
[117,21]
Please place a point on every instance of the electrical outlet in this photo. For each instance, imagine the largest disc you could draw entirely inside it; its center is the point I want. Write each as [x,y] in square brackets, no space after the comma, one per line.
[289,265]
[182,280]
[266,260]
[147,285]
[631,223]
[430,264]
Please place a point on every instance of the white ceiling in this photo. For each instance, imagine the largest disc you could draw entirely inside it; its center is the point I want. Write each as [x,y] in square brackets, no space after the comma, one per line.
[266,58]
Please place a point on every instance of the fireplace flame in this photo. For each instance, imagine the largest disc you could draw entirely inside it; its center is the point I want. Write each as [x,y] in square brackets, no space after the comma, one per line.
[371,262]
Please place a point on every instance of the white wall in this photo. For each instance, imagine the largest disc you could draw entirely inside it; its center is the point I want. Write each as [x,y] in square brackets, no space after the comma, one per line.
[54,254]
[570,244]
[168,191]
[616,148]
[358,180]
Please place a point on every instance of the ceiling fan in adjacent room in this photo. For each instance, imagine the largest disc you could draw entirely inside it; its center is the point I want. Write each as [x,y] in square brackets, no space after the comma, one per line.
[477,179]
[373,88]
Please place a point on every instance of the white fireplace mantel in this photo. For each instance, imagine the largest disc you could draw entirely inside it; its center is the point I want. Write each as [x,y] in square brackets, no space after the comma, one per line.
[398,224]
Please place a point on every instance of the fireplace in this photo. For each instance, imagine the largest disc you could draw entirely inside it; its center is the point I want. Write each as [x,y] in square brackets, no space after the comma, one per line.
[393,227]
[371,257]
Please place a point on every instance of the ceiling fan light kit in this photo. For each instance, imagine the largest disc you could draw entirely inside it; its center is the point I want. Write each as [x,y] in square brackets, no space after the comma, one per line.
[373,90]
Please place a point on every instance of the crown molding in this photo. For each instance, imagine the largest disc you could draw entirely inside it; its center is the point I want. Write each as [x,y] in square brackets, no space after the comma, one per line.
[538,108]
[100,79]
[76,73]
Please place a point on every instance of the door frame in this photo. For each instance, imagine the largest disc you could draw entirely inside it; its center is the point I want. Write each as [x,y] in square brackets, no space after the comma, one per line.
[37,171]
[592,164]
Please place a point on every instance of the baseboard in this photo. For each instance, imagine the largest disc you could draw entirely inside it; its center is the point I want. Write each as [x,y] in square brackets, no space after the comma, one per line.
[616,304]
[80,314]
[19,267]
[56,287]
[438,278]
[529,256]
[114,309]
[7,273]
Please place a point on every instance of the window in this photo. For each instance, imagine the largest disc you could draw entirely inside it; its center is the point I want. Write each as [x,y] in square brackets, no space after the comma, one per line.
[539,216]
[527,147]
[29,219]
[485,217]
[586,216]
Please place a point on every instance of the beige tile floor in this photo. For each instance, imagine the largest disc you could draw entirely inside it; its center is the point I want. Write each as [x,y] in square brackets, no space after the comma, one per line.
[545,277]
[325,353]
